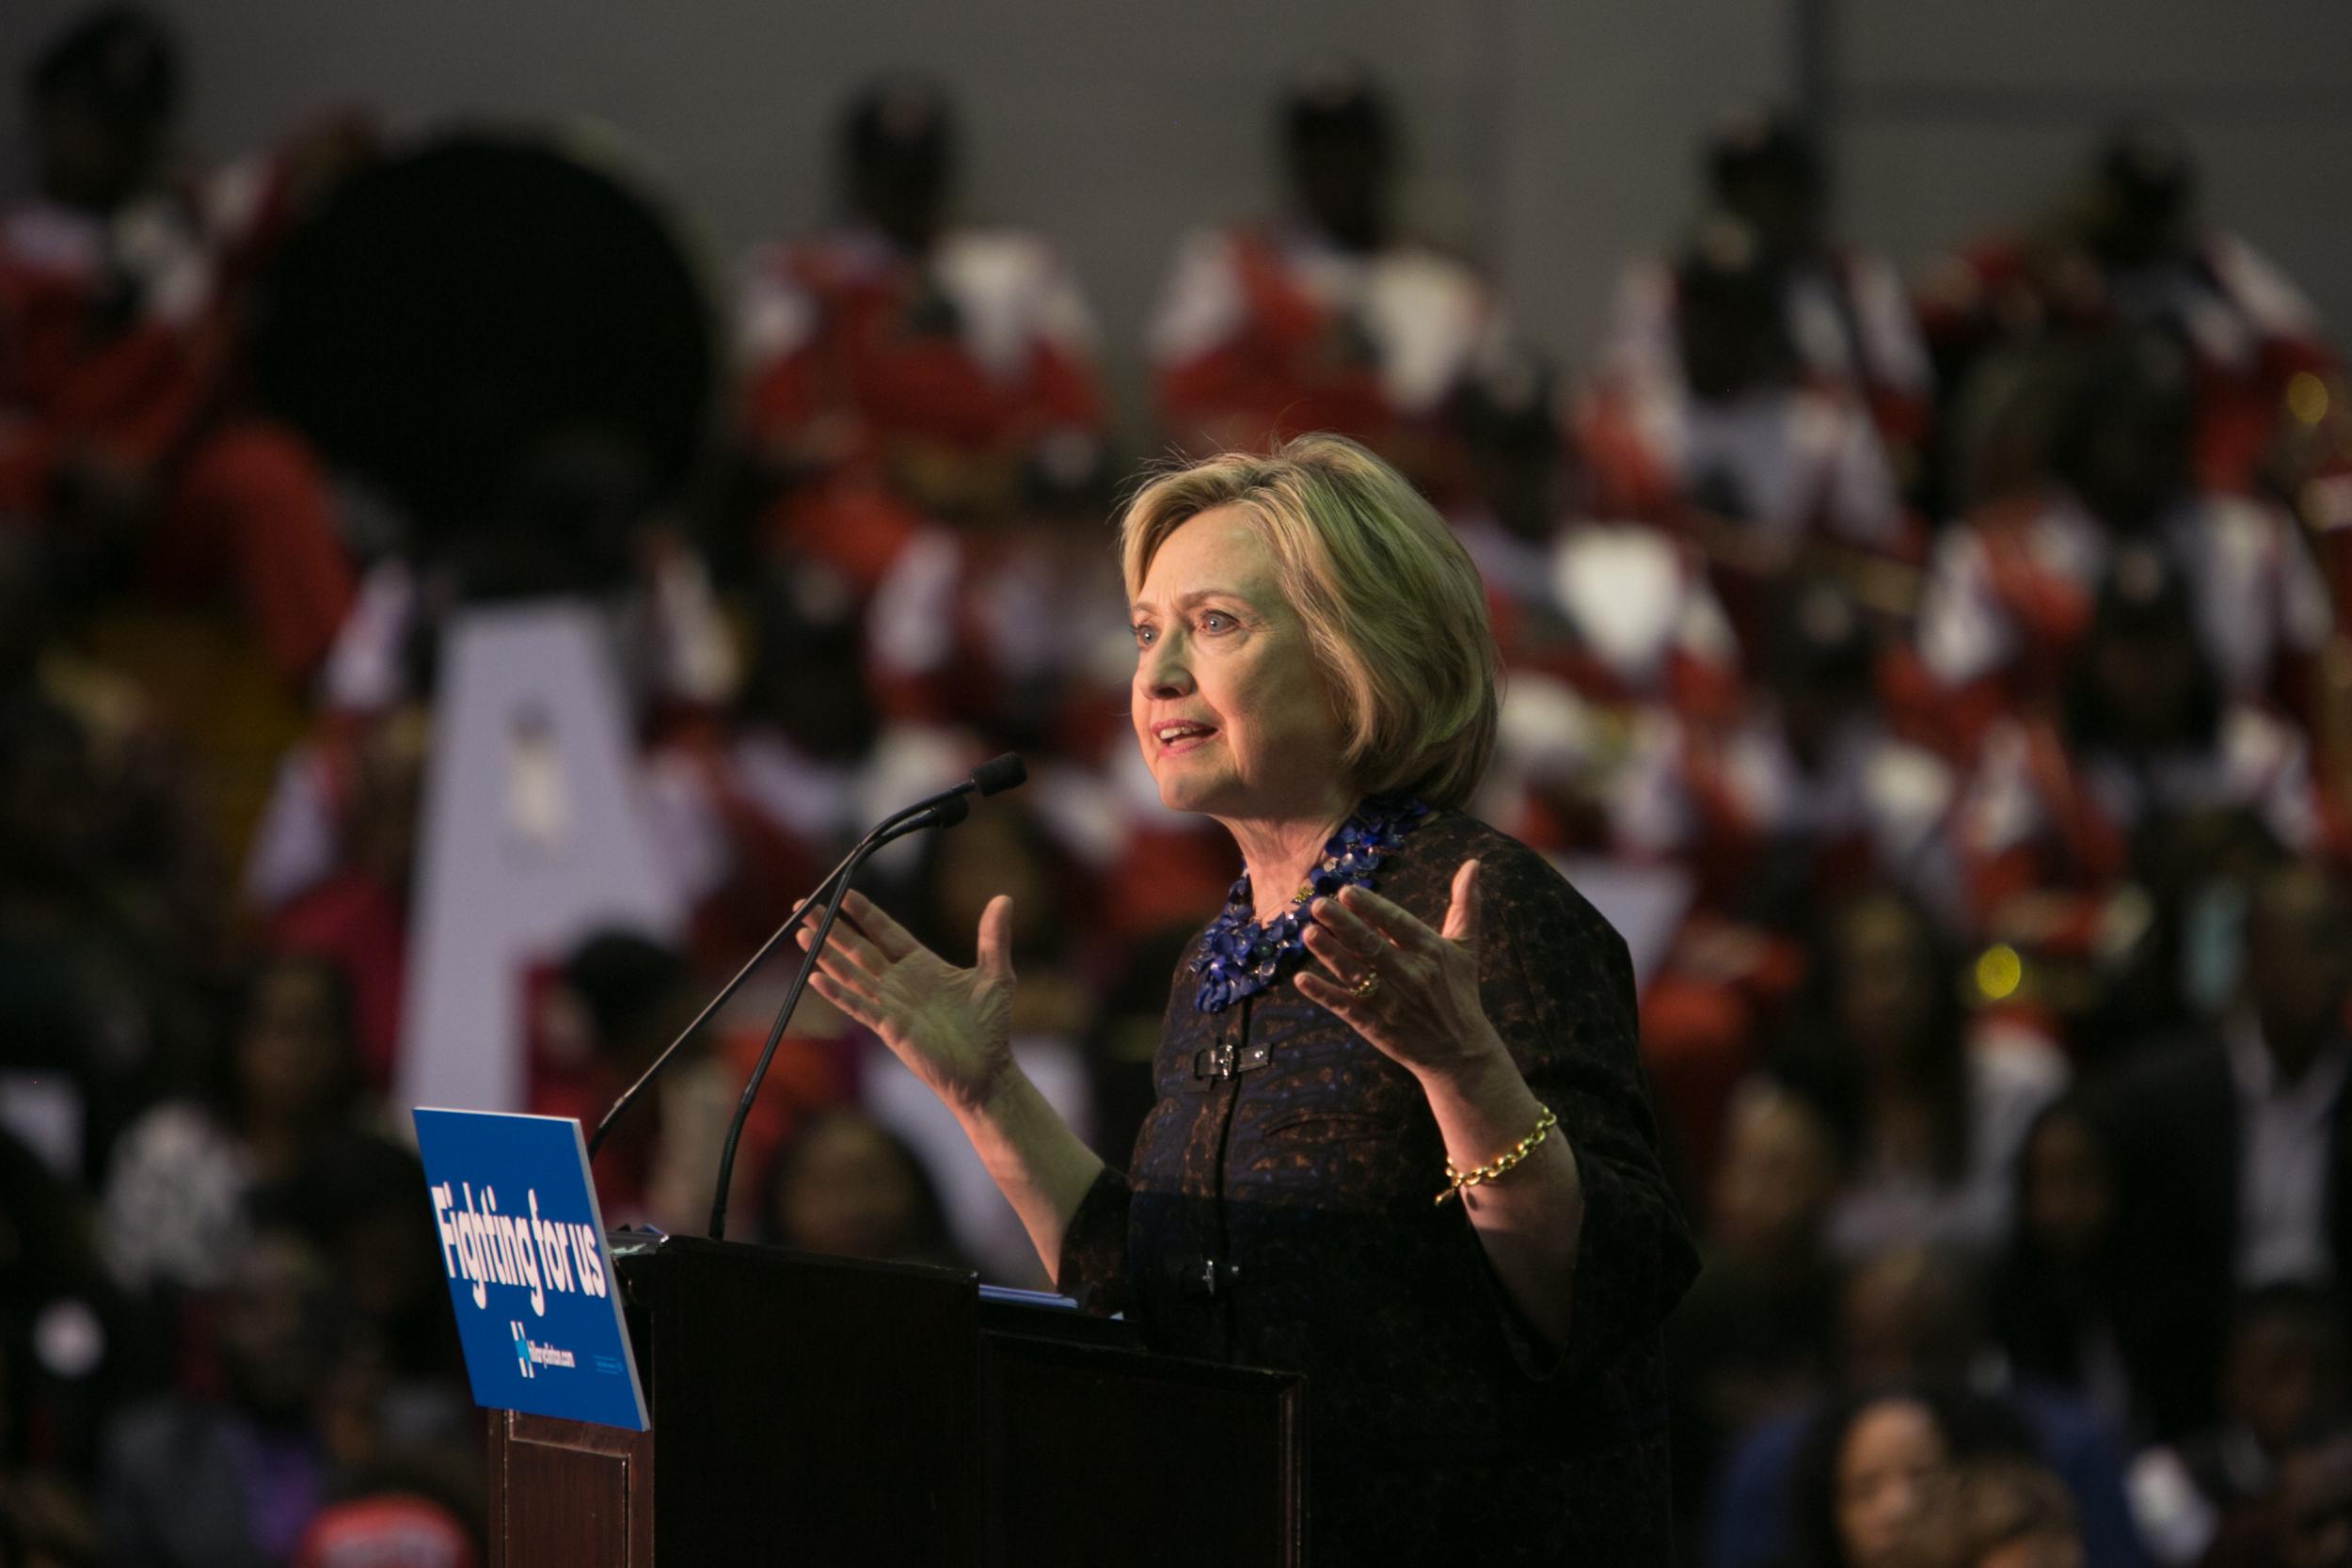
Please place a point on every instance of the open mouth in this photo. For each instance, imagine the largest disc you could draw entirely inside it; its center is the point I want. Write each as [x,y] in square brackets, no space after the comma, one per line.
[1181,735]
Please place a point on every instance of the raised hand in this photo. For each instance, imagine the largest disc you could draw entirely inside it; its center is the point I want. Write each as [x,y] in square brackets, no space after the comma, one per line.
[951,1027]
[1411,991]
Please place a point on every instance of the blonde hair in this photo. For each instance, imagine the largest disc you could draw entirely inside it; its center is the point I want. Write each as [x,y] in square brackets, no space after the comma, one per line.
[1391,603]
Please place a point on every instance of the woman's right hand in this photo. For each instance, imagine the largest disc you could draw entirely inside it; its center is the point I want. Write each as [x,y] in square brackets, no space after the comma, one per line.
[951,1027]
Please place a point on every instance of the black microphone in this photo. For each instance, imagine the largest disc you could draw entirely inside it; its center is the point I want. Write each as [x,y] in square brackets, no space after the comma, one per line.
[944,810]
[998,774]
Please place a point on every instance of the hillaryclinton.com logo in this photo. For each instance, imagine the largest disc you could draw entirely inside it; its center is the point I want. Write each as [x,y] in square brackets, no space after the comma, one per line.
[530,1358]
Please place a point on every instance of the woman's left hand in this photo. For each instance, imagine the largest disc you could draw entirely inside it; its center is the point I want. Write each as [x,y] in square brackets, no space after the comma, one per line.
[1411,991]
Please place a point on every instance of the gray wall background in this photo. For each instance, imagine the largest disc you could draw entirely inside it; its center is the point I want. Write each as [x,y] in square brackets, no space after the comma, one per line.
[1551,139]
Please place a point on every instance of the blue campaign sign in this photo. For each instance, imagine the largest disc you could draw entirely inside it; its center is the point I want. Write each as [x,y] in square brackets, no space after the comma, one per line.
[528,1273]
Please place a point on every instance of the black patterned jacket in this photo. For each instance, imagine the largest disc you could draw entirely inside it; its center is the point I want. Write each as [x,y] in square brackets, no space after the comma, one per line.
[1278,1212]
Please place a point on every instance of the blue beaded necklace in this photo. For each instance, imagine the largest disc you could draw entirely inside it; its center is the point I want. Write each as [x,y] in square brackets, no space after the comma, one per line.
[1240,958]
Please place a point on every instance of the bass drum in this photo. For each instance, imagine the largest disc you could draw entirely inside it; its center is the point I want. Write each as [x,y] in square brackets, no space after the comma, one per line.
[503,336]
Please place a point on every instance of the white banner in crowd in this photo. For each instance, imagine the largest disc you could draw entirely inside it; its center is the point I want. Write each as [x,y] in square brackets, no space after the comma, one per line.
[531,840]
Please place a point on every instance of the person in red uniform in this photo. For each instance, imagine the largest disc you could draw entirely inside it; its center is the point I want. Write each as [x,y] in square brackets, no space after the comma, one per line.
[1846,310]
[1618,609]
[1801,796]
[1326,318]
[903,367]
[114,347]
[2133,250]
[2145,734]
[1767,470]
[1010,629]
[1610,628]
[2009,590]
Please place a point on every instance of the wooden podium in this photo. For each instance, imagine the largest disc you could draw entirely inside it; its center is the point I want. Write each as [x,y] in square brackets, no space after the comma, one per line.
[820,1411]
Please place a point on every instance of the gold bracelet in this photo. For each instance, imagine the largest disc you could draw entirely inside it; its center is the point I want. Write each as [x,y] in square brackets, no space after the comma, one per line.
[1458,1179]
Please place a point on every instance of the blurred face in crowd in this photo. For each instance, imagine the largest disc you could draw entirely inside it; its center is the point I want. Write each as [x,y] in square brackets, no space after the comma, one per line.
[848,1192]
[1885,982]
[2143,203]
[1890,1458]
[809,673]
[1815,706]
[1520,457]
[276,1328]
[1907,1313]
[50,807]
[1730,345]
[900,172]
[1228,700]
[2314,1506]
[2284,1371]
[2068,1195]
[1521,483]
[2135,460]
[291,1045]
[2146,679]
[2138,228]
[25,597]
[2299,962]
[1781,202]
[986,857]
[905,198]
[1340,178]
[384,1257]
[1778,1174]
[88,158]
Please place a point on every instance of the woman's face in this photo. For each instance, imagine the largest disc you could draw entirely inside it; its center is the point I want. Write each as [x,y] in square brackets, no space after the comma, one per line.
[1890,1457]
[1228,703]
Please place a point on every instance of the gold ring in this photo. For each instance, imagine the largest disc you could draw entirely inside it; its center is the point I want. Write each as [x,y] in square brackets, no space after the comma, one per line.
[1365,987]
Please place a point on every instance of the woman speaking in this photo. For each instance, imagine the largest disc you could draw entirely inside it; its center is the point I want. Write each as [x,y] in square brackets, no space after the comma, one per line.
[1401,1143]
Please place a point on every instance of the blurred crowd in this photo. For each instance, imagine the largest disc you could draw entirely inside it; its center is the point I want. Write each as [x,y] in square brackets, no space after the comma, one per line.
[1943,681]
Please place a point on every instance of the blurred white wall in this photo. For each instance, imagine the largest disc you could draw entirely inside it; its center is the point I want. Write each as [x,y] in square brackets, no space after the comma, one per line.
[1552,137]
